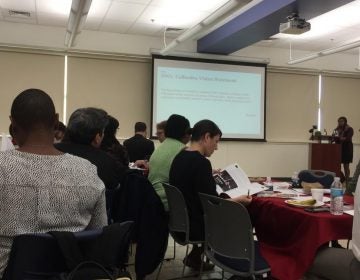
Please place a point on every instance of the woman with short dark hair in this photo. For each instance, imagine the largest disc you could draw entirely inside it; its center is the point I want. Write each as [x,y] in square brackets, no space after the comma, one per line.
[191,173]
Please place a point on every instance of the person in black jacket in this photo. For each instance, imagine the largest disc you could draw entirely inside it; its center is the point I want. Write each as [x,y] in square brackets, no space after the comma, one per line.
[83,138]
[138,146]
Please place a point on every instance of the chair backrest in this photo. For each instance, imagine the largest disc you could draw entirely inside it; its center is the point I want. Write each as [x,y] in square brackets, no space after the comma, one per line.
[323,177]
[38,255]
[137,201]
[228,229]
[178,213]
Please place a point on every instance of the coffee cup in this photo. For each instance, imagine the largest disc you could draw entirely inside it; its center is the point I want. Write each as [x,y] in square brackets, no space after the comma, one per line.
[317,194]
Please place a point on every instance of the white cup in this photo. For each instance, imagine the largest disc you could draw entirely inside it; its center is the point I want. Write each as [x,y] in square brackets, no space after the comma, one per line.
[317,194]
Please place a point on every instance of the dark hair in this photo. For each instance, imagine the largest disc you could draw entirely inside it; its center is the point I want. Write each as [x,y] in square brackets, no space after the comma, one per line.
[342,118]
[205,126]
[161,125]
[177,127]
[33,108]
[11,131]
[140,127]
[84,124]
[61,127]
[110,132]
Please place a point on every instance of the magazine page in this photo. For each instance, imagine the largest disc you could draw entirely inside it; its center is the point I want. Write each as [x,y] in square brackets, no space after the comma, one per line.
[233,181]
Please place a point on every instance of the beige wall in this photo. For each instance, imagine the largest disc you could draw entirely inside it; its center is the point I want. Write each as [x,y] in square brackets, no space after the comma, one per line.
[291,106]
[20,71]
[123,88]
[341,97]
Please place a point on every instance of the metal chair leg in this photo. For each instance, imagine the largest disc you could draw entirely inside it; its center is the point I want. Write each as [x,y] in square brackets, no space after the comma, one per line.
[172,258]
[185,260]
[201,265]
[160,267]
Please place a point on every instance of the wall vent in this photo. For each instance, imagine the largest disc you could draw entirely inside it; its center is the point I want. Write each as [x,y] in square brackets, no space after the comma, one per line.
[22,14]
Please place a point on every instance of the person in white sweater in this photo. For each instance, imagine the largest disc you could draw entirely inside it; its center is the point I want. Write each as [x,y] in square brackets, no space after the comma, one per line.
[41,188]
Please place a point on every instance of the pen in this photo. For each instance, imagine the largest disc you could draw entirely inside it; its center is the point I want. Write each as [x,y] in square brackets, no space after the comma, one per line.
[248,192]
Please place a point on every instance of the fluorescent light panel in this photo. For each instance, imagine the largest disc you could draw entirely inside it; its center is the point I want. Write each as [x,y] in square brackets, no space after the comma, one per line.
[78,14]
[65,89]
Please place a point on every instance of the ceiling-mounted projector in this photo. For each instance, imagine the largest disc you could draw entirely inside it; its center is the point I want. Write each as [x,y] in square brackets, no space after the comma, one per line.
[294,25]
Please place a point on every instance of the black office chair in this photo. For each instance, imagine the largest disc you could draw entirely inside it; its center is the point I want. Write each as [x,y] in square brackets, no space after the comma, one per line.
[229,240]
[38,256]
[179,225]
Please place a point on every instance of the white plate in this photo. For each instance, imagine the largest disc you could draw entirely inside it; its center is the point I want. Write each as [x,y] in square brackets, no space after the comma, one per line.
[292,202]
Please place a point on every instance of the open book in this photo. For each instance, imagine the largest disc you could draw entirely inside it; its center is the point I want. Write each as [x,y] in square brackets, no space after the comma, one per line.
[233,181]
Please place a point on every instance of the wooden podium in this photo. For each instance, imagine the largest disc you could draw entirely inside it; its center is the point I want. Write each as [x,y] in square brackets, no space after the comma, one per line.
[325,157]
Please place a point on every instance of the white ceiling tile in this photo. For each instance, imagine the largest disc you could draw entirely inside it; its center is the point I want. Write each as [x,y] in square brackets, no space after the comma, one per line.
[171,18]
[52,19]
[21,20]
[98,8]
[124,11]
[169,35]
[144,29]
[20,5]
[93,23]
[116,26]
[187,5]
[134,1]
[56,7]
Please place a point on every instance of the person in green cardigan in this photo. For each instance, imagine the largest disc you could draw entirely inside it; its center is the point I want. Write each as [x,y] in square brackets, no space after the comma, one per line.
[177,133]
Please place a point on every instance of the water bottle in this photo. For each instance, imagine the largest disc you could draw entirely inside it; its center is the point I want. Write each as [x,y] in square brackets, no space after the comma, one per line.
[295,180]
[269,184]
[336,196]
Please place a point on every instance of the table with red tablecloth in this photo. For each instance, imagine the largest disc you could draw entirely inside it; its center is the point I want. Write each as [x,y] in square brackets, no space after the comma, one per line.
[289,237]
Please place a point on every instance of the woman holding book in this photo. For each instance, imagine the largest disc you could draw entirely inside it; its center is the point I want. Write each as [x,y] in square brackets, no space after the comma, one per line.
[191,173]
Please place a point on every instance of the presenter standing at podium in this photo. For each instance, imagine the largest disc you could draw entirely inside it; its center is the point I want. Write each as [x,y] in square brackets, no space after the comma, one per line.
[343,135]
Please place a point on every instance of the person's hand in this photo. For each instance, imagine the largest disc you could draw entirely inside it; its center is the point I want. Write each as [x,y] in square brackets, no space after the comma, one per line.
[142,164]
[243,199]
[216,171]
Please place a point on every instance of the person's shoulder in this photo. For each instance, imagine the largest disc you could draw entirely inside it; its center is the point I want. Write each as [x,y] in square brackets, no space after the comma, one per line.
[6,154]
[128,140]
[149,141]
[190,155]
[84,170]
[77,160]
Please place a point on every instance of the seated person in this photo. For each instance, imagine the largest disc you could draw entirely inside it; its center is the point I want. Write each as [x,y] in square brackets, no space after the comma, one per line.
[191,173]
[59,132]
[340,264]
[41,188]
[138,146]
[177,133]
[117,151]
[160,131]
[112,146]
[83,138]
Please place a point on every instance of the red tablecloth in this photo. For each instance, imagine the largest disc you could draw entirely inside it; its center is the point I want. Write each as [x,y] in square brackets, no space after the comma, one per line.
[289,237]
